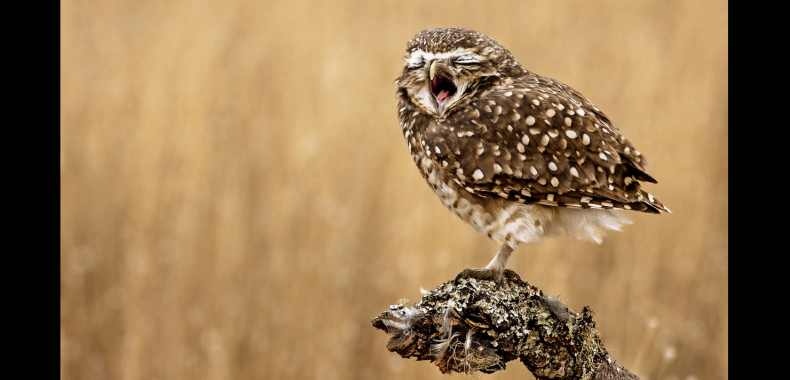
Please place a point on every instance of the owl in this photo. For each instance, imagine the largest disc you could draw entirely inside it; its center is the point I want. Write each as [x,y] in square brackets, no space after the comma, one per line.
[517,155]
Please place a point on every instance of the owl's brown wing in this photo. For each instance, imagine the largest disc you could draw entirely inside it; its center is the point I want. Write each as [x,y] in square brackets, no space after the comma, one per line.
[538,141]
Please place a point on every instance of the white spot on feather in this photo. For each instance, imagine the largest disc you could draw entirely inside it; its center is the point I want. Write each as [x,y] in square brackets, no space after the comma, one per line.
[530,120]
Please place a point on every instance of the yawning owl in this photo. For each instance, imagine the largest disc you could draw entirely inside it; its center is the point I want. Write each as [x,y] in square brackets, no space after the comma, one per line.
[517,155]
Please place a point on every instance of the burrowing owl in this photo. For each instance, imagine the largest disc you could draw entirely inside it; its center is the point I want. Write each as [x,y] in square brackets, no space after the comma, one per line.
[517,155]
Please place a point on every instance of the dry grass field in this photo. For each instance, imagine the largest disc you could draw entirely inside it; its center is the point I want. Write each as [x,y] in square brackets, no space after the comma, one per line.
[237,200]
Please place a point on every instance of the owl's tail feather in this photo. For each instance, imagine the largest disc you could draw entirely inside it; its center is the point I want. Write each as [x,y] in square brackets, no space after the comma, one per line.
[653,205]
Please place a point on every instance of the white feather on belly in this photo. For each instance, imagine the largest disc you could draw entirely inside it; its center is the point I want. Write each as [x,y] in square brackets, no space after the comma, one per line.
[516,223]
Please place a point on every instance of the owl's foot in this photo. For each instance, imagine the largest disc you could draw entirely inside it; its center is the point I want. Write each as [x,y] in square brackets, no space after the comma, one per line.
[496,275]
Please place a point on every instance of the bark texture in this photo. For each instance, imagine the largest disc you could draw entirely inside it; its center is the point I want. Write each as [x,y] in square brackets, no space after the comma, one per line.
[475,325]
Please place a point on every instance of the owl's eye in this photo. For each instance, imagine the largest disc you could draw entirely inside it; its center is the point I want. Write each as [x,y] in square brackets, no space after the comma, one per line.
[418,65]
[466,62]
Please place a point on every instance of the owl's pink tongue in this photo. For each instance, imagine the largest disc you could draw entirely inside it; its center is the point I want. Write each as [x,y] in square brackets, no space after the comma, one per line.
[443,95]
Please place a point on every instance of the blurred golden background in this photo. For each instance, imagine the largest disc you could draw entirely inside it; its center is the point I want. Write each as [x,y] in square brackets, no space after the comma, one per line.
[237,200]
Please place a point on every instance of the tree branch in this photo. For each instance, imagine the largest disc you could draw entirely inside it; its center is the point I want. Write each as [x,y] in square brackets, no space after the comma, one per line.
[477,326]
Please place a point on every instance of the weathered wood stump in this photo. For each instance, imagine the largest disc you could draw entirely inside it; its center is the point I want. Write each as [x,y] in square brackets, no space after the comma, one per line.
[475,325]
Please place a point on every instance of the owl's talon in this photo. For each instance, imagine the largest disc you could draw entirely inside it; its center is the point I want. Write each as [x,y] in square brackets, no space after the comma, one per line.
[478,273]
[511,275]
[487,274]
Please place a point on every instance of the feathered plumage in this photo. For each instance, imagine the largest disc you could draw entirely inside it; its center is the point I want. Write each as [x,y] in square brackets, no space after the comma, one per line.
[517,155]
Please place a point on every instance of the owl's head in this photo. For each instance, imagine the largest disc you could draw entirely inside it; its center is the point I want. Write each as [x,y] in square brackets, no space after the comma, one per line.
[443,68]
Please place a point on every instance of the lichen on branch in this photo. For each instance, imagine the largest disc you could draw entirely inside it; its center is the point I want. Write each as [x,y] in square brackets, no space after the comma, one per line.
[477,325]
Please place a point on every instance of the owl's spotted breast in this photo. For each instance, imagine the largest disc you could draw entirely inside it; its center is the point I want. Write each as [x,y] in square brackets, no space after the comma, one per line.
[490,216]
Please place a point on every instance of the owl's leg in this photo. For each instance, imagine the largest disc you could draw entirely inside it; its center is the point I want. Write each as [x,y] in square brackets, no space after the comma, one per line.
[495,270]
[500,260]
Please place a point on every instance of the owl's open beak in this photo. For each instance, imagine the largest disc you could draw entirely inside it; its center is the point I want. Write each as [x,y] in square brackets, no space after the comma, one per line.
[434,68]
[442,83]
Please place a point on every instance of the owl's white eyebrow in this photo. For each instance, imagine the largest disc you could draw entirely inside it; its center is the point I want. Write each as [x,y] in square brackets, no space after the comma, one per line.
[418,56]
